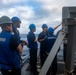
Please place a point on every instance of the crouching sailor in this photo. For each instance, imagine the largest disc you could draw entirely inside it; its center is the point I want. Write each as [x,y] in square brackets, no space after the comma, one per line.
[9,49]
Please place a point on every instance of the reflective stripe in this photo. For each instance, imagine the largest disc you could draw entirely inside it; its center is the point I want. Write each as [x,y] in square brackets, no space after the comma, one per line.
[3,39]
[51,37]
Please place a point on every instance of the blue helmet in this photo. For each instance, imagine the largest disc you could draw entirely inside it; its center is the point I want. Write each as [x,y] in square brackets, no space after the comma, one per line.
[50,30]
[15,19]
[32,26]
[44,26]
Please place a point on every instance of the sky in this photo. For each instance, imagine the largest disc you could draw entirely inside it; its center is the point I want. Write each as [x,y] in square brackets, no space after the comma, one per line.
[37,12]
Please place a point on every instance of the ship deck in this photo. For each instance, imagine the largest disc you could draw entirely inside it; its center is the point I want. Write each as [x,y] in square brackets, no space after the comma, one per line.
[26,68]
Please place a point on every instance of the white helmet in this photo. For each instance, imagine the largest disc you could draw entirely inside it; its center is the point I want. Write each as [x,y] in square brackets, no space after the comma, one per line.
[5,19]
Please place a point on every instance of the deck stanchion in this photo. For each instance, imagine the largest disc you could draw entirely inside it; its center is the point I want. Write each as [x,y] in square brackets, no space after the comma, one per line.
[69,20]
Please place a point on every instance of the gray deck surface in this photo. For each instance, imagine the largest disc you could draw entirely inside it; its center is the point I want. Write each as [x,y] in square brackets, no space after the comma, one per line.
[26,69]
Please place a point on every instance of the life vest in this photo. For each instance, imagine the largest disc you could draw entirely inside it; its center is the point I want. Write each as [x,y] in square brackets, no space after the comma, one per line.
[50,40]
[8,58]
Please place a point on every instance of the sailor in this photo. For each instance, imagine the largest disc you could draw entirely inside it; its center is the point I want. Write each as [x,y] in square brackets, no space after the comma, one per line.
[41,39]
[50,40]
[16,24]
[32,44]
[10,49]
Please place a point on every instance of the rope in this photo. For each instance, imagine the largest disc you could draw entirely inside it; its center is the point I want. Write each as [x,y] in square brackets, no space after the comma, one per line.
[57,26]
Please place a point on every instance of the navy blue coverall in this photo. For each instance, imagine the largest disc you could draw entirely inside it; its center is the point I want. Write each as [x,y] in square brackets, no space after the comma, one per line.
[49,44]
[33,51]
[16,33]
[43,54]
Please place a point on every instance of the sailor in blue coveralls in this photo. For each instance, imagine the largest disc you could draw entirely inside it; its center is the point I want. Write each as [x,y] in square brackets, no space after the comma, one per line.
[50,40]
[32,44]
[16,24]
[10,49]
[41,39]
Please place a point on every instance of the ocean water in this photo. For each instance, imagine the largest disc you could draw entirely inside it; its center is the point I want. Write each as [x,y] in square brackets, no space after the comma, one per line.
[25,53]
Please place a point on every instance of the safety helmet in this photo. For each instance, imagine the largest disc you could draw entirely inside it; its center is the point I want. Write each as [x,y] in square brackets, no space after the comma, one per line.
[44,26]
[50,30]
[15,19]
[32,26]
[5,19]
